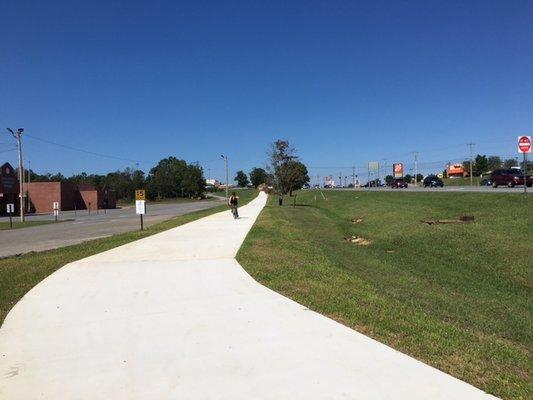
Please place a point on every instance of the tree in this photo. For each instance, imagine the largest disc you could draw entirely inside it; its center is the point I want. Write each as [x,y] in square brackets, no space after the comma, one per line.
[241,178]
[289,173]
[510,162]
[480,165]
[408,178]
[389,179]
[494,162]
[294,176]
[419,177]
[258,176]
[172,177]
[466,167]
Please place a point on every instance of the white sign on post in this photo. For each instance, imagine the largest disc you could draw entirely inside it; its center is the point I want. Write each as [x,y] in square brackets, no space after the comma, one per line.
[524,144]
[140,207]
[10,208]
[55,205]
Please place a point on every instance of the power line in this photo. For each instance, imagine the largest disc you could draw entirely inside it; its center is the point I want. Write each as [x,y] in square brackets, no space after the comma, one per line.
[65,146]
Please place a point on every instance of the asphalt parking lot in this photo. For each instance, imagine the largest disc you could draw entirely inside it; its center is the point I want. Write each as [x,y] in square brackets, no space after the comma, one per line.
[81,226]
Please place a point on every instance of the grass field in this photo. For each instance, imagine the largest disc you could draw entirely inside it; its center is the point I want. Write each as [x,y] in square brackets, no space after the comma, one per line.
[457,296]
[20,273]
[19,225]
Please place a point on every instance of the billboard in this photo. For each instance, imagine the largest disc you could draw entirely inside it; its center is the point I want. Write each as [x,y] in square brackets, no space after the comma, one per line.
[397,170]
[455,170]
[373,166]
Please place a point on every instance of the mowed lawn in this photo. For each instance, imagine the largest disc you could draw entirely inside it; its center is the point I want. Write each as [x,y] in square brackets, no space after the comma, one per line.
[18,274]
[457,296]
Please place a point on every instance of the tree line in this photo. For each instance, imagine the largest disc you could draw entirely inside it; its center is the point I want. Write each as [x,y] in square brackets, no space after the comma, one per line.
[483,164]
[170,178]
[285,172]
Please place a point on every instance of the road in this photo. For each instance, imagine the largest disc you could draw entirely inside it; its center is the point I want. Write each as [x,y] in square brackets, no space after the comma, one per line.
[454,189]
[80,226]
[174,316]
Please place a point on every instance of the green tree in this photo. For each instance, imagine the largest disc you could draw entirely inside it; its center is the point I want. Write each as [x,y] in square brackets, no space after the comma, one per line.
[480,165]
[389,179]
[408,178]
[172,177]
[510,162]
[289,174]
[493,162]
[241,178]
[258,176]
[294,176]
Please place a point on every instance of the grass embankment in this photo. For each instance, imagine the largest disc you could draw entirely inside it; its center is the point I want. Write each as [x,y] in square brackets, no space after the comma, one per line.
[19,274]
[25,224]
[462,181]
[458,296]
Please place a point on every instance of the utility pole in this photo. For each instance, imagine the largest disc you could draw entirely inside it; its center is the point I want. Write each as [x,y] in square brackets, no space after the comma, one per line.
[227,179]
[416,167]
[17,136]
[353,177]
[340,179]
[28,186]
[471,145]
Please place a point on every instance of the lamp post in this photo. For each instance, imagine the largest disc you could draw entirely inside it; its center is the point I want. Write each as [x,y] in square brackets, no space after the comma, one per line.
[17,135]
[226,168]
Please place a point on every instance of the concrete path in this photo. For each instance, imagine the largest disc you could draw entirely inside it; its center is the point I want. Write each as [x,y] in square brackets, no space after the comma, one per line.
[84,227]
[174,316]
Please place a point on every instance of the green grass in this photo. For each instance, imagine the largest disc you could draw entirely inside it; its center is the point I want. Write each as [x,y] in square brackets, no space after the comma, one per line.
[25,224]
[462,181]
[458,296]
[20,273]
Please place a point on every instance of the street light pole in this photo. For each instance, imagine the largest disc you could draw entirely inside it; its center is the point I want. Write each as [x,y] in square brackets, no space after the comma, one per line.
[227,179]
[17,135]
[416,167]
[471,172]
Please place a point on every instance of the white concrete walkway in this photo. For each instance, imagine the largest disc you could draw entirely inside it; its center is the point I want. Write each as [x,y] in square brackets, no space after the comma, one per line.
[174,316]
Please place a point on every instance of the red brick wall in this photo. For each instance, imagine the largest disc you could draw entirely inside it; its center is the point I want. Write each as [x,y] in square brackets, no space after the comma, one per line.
[89,196]
[43,195]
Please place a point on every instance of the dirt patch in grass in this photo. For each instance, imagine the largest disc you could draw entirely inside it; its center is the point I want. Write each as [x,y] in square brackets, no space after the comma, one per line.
[358,240]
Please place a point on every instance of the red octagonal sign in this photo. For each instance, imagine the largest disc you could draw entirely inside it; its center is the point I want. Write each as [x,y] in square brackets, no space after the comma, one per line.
[524,144]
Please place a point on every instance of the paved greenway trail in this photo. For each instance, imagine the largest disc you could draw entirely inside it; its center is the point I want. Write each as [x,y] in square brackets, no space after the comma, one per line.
[174,316]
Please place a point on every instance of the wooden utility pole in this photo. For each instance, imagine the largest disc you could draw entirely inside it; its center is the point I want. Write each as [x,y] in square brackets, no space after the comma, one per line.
[471,145]
[17,135]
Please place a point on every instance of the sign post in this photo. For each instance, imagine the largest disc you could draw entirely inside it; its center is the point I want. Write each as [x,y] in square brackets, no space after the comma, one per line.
[10,211]
[56,209]
[140,204]
[524,147]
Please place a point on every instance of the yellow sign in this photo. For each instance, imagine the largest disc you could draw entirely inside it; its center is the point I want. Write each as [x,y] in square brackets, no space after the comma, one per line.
[140,195]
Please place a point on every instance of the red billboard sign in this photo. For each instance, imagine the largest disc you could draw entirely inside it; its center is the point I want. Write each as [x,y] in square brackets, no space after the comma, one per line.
[397,170]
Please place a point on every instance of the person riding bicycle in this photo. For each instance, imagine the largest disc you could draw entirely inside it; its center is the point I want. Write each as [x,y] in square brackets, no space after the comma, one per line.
[233,202]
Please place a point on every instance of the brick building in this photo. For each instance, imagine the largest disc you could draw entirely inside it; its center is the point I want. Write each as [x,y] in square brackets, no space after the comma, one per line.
[42,195]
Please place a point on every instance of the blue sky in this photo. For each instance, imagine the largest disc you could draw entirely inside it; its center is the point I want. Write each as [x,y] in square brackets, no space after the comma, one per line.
[346,82]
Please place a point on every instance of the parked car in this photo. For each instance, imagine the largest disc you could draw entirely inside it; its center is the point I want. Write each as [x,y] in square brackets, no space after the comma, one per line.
[398,183]
[510,178]
[433,181]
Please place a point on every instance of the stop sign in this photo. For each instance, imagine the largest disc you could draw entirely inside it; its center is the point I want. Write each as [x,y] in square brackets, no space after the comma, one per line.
[524,144]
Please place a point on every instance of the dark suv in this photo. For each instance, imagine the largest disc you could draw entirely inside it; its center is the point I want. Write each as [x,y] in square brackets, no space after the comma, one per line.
[398,183]
[509,177]
[433,181]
